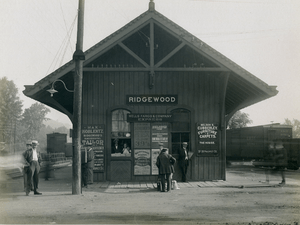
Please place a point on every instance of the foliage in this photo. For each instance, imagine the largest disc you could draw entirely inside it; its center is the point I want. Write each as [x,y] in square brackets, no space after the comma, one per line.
[10,109]
[239,120]
[296,126]
[33,119]
[17,127]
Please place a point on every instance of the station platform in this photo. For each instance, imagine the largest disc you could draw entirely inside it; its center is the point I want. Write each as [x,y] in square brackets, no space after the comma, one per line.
[62,182]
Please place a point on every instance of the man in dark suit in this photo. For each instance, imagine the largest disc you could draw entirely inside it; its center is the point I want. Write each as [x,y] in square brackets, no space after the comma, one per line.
[183,160]
[33,158]
[165,164]
[26,166]
[116,148]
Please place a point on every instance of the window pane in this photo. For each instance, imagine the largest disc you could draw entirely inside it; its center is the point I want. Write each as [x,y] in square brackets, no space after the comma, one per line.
[175,148]
[183,117]
[181,120]
[175,138]
[120,134]
[119,121]
[180,126]
[185,137]
[120,147]
[115,126]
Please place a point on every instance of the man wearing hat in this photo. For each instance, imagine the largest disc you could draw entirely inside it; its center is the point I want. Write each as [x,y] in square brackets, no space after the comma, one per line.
[183,160]
[165,163]
[90,163]
[26,165]
[161,146]
[87,164]
[33,158]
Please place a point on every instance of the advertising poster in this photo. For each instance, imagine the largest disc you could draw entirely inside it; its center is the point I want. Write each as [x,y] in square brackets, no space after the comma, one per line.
[159,134]
[155,153]
[142,135]
[94,135]
[142,162]
[208,144]
[99,158]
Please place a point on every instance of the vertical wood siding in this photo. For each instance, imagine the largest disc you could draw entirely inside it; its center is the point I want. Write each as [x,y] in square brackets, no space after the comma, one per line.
[200,91]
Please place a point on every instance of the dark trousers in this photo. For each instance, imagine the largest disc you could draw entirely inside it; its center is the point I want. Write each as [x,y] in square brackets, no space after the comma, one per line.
[184,170]
[90,173]
[165,177]
[84,174]
[33,176]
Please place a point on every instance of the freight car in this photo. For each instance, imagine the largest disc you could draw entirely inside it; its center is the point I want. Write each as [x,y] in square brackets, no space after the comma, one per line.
[251,143]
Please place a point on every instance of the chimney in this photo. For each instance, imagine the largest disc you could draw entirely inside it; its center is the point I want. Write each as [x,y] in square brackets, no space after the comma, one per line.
[151,6]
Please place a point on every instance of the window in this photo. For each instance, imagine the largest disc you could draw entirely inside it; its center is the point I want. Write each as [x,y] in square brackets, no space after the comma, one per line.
[120,135]
[180,129]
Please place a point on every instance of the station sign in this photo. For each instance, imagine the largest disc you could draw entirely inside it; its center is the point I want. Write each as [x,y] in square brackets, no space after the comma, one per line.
[152,99]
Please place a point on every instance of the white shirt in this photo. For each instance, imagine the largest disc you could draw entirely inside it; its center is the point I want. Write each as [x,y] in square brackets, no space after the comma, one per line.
[34,155]
[185,153]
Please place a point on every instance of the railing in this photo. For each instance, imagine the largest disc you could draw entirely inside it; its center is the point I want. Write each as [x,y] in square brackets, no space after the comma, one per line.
[14,165]
[54,157]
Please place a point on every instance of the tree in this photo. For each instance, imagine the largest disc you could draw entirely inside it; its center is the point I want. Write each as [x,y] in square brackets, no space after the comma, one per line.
[239,120]
[10,111]
[296,127]
[33,119]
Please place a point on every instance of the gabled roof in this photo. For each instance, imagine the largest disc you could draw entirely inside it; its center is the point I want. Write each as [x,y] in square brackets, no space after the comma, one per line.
[243,88]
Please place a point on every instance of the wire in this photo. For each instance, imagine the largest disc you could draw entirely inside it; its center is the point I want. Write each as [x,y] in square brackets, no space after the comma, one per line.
[66,23]
[67,37]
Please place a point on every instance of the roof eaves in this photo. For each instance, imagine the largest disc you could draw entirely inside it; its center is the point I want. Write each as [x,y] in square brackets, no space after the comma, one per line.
[196,42]
[49,79]
[31,89]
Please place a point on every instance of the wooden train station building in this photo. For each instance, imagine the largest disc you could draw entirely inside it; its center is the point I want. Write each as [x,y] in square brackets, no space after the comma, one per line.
[152,81]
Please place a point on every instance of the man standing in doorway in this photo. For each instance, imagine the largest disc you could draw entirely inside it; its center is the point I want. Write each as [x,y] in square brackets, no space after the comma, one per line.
[33,158]
[183,160]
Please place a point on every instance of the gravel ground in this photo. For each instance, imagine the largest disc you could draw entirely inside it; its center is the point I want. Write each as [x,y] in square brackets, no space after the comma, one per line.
[245,201]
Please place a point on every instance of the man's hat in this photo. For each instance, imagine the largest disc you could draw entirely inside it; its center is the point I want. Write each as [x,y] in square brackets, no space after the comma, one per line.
[184,143]
[164,150]
[160,143]
[35,142]
[28,143]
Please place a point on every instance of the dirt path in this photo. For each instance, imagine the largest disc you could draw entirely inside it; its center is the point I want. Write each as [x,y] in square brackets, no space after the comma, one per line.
[188,205]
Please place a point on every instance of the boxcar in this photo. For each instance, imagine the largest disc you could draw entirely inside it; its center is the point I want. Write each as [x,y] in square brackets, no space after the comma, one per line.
[251,143]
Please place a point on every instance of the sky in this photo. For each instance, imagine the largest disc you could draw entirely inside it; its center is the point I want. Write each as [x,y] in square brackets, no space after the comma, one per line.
[262,36]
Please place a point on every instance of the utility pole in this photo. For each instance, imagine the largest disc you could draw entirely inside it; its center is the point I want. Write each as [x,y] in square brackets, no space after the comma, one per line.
[78,57]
